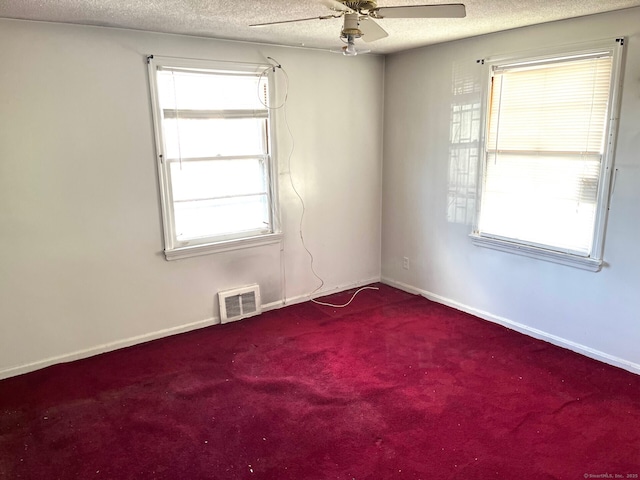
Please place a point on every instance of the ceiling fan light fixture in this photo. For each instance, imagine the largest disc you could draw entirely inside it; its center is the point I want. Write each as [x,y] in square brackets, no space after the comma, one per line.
[350,50]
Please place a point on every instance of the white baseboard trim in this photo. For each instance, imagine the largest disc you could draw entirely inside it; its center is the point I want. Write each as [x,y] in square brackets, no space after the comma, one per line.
[519,327]
[167,332]
[106,347]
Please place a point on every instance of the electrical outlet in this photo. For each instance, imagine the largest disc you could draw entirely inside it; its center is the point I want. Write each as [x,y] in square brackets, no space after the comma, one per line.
[405,263]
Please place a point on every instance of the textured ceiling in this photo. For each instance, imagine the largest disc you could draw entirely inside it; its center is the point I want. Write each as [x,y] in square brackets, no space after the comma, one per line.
[229,19]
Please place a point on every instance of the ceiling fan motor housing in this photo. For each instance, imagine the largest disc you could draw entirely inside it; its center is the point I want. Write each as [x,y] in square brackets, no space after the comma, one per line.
[360,5]
[350,27]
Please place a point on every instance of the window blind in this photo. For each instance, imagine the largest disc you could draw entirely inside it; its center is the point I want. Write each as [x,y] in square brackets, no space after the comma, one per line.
[544,148]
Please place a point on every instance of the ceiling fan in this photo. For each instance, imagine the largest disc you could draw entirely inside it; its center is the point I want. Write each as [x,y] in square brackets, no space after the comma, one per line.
[359,18]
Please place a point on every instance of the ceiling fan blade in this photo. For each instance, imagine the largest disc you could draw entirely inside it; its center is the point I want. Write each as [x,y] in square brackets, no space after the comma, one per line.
[451,10]
[371,31]
[325,17]
[336,5]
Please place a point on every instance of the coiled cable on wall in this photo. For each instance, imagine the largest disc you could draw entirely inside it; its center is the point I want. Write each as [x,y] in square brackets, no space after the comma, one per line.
[276,65]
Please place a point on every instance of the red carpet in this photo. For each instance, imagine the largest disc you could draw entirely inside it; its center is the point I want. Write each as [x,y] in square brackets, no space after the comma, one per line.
[394,386]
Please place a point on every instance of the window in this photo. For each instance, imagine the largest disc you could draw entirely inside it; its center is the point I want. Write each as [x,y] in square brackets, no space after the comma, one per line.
[548,155]
[214,145]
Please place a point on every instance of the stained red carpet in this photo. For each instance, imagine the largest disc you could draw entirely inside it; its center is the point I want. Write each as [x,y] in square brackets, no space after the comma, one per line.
[392,387]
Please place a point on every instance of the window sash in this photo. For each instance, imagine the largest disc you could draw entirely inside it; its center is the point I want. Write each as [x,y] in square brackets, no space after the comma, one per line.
[215,137]
[218,178]
[190,114]
[543,200]
[241,182]
[222,218]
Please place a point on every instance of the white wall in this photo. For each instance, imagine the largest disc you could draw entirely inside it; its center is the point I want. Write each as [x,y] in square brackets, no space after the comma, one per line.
[81,260]
[81,263]
[595,313]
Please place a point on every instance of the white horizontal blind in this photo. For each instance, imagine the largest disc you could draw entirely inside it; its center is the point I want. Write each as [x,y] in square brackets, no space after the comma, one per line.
[215,131]
[545,141]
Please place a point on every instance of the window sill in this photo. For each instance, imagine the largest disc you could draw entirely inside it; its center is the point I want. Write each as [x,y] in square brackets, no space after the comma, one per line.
[584,263]
[230,245]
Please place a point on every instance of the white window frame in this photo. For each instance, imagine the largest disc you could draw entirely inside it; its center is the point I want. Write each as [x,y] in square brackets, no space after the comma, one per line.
[174,248]
[593,261]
